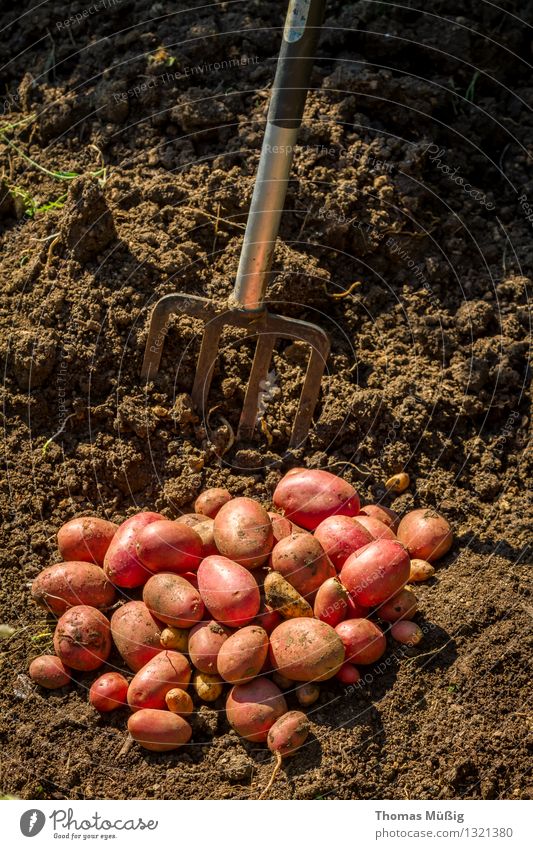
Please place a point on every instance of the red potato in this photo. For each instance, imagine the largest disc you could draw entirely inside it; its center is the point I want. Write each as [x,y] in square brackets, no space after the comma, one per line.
[203,526]
[229,591]
[300,559]
[407,633]
[243,532]
[109,692]
[386,515]
[281,527]
[167,546]
[268,618]
[159,730]
[331,602]
[69,584]
[166,671]
[426,534]
[205,642]
[191,578]
[307,694]
[376,572]
[210,501]
[306,649]
[49,671]
[86,538]
[285,737]
[401,606]
[253,708]
[355,610]
[136,634]
[348,674]
[376,528]
[241,656]
[82,638]
[363,641]
[121,564]
[340,536]
[308,496]
[173,600]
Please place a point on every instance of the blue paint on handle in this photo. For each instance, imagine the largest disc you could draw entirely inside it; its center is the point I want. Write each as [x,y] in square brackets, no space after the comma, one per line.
[296,20]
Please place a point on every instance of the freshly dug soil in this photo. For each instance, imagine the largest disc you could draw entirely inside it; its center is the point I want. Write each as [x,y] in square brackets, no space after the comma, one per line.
[407,235]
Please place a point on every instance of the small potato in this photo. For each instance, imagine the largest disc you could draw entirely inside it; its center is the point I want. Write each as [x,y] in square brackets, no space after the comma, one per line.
[376,528]
[407,633]
[281,527]
[426,534]
[179,701]
[121,563]
[288,733]
[421,570]
[241,656]
[307,694]
[268,618]
[340,536]
[308,496]
[229,591]
[284,599]
[159,730]
[49,671]
[210,501]
[109,692]
[175,638]
[331,602]
[376,572]
[166,671]
[253,708]
[348,674]
[243,532]
[205,642]
[173,600]
[401,606]
[86,538]
[66,585]
[301,560]
[203,526]
[82,638]
[136,634]
[167,546]
[208,687]
[282,681]
[306,650]
[363,641]
[386,515]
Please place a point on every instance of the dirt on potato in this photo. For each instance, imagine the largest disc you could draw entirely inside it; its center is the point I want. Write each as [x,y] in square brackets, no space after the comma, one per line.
[129,141]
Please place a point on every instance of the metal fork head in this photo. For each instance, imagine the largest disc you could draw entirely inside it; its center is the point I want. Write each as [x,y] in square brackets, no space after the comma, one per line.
[266,327]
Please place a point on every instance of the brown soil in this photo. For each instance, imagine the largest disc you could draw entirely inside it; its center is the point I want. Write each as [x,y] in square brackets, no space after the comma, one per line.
[428,370]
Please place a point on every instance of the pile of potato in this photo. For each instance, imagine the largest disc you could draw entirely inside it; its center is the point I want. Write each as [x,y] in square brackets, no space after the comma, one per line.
[233,594]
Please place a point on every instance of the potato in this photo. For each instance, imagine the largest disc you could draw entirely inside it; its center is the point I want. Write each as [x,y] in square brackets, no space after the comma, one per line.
[253,708]
[348,674]
[331,602]
[49,671]
[167,546]
[340,536]
[179,701]
[403,605]
[284,599]
[407,633]
[69,584]
[229,591]
[355,610]
[363,641]
[208,687]
[281,527]
[306,650]
[121,563]
[282,681]
[420,571]
[288,733]
[136,634]
[159,730]
[82,638]
[376,528]
[308,496]
[307,694]
[426,534]
[384,514]
[242,655]
[86,538]
[300,559]
[203,526]
[376,572]
[166,671]
[210,501]
[267,618]
[173,600]
[243,532]
[175,638]
[109,692]
[205,641]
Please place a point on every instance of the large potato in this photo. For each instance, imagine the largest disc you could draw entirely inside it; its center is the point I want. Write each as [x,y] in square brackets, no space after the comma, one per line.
[205,642]
[173,600]
[340,536]
[300,559]
[241,656]
[306,650]
[308,496]
[203,526]
[331,602]
[159,730]
[211,500]
[376,572]
[136,634]
[167,546]
[49,671]
[164,672]
[121,564]
[86,538]
[426,534]
[229,591]
[82,638]
[386,515]
[363,641]
[243,532]
[253,708]
[68,584]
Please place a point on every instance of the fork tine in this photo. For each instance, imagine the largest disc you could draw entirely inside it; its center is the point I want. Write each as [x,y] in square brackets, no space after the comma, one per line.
[259,372]
[311,388]
[206,363]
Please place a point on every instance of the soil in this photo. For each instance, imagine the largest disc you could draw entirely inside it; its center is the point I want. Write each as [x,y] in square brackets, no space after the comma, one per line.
[406,235]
